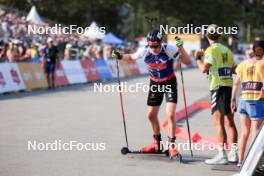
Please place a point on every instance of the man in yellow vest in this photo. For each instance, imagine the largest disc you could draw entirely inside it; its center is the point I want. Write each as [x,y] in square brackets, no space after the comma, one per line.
[218,64]
[250,77]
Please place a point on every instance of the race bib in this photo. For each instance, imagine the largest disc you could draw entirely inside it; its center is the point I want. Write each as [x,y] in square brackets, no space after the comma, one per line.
[252,86]
[225,72]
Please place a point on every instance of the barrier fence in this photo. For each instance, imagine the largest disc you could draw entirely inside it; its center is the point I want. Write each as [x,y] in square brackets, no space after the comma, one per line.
[29,76]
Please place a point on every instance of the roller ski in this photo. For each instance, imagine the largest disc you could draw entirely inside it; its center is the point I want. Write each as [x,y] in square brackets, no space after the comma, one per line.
[157,149]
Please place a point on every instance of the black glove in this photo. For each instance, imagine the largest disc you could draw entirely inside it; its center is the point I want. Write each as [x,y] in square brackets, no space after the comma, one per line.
[116,55]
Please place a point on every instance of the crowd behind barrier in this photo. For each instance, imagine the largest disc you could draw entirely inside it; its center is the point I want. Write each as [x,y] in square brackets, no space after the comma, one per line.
[27,76]
[22,57]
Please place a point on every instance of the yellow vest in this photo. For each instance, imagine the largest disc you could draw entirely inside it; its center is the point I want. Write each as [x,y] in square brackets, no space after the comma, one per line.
[251,73]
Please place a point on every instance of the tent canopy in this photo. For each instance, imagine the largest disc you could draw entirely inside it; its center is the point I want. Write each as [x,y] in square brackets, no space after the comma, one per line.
[110,38]
[34,17]
[93,32]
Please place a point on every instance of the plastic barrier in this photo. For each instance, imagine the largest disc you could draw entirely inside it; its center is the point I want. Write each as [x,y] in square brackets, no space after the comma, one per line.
[90,70]
[29,76]
[10,78]
[104,71]
[33,75]
[73,71]
[38,75]
[60,76]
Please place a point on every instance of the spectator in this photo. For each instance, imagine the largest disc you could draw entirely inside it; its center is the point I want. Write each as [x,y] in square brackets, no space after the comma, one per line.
[68,52]
[87,53]
[2,54]
[34,53]
[107,52]
[12,53]
[50,63]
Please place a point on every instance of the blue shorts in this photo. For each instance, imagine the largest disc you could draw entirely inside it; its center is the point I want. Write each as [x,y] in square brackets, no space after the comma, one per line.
[50,68]
[252,109]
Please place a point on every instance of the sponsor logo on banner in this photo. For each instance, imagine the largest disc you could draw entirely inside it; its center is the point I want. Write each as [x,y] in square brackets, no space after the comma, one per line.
[15,76]
[2,79]
[27,76]
[10,78]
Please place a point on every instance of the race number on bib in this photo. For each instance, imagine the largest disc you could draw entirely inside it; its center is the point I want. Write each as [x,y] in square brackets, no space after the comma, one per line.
[225,72]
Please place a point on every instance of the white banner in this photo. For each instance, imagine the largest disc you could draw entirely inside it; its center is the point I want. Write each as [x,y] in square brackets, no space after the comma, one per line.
[74,71]
[10,78]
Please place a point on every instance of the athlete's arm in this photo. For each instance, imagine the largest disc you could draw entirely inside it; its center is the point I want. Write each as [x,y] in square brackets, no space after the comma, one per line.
[138,54]
[127,57]
[204,67]
[234,69]
[184,56]
[236,85]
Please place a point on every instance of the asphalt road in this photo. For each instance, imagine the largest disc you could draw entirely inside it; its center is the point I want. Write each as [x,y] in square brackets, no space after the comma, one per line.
[79,114]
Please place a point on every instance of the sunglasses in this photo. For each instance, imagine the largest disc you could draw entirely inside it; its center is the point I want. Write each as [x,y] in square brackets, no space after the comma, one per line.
[154,46]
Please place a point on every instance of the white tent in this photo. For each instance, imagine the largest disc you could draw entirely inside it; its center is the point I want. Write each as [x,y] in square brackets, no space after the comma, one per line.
[34,17]
[93,32]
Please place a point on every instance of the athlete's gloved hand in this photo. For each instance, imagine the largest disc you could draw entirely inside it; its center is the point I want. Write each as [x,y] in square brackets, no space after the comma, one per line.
[199,54]
[116,55]
[179,41]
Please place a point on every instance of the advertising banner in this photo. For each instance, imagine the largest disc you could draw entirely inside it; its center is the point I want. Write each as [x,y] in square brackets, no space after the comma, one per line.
[90,70]
[73,71]
[104,71]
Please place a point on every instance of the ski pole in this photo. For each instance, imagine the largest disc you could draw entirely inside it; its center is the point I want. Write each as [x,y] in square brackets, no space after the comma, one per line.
[186,111]
[121,102]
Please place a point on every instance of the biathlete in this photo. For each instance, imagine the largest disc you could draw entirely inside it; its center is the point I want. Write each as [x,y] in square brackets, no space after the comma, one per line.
[159,58]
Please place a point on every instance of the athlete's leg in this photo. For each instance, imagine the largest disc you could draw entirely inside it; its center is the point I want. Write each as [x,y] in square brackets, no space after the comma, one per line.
[48,79]
[220,128]
[170,115]
[233,153]
[229,121]
[245,131]
[153,118]
[255,125]
[221,157]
